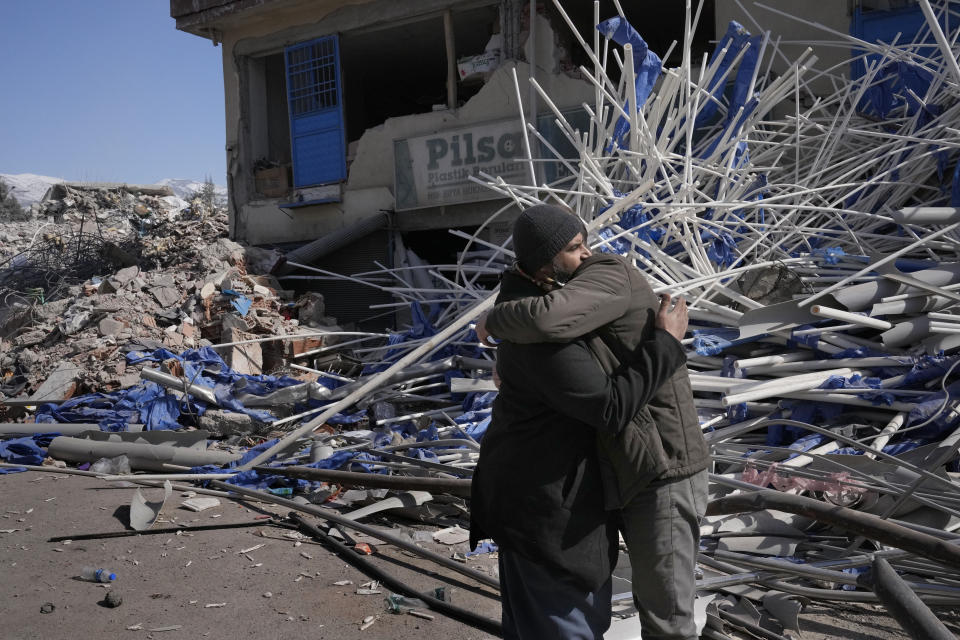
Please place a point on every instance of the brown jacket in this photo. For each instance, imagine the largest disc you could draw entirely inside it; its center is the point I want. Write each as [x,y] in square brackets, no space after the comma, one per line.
[608,295]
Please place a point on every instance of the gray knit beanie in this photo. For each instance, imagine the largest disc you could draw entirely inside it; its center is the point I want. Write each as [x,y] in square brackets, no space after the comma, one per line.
[541,232]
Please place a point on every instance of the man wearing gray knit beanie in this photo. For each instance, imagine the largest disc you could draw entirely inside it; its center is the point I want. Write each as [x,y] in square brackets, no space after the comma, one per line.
[575,442]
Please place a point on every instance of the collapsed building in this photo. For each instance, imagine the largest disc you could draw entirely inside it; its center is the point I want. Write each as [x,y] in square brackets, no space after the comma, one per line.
[804,199]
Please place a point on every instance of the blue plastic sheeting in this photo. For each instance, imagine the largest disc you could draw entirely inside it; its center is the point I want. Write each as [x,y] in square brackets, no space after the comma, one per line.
[735,39]
[955,188]
[421,453]
[890,92]
[805,443]
[422,327]
[646,66]
[741,154]
[928,368]
[811,340]
[938,417]
[205,367]
[479,429]
[829,255]
[711,342]
[856,381]
[801,411]
[347,418]
[902,25]
[721,247]
[487,546]
[891,449]
[22,451]
[239,301]
[150,404]
[147,403]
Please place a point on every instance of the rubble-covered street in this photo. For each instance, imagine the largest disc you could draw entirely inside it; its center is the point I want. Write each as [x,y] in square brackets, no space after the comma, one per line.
[181,409]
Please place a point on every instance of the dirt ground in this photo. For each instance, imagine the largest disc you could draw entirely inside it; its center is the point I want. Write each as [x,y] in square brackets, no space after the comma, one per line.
[168,580]
[202,585]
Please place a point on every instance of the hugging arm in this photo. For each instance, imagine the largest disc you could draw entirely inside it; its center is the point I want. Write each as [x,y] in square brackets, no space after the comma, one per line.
[598,294]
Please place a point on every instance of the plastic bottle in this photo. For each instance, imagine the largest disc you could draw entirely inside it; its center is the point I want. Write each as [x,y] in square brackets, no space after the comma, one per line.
[93,574]
[397,603]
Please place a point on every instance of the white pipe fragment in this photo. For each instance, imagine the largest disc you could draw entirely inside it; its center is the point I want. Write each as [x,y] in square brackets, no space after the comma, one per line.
[781,386]
[846,316]
[926,215]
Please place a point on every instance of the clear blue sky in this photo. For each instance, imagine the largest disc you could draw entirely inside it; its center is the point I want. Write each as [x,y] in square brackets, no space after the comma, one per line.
[108,90]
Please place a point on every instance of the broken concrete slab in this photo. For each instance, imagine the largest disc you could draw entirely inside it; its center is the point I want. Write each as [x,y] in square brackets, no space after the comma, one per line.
[246,359]
[227,423]
[59,385]
[110,327]
[166,296]
[123,277]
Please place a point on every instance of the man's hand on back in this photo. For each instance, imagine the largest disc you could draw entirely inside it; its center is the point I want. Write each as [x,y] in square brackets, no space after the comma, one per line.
[673,321]
[482,334]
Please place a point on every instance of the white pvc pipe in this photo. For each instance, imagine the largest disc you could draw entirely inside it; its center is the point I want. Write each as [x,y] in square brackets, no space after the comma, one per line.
[781,386]
[853,318]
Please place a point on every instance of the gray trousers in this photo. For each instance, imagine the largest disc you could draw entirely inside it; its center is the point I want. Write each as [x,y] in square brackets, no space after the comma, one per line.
[661,527]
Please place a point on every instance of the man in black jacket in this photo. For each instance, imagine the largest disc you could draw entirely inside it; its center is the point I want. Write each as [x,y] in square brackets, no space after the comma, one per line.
[537,488]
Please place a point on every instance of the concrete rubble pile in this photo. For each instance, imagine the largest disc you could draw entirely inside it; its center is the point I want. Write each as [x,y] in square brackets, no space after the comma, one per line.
[818,248]
[99,273]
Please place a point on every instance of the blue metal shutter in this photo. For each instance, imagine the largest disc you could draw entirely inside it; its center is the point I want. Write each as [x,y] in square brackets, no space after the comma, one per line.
[316,112]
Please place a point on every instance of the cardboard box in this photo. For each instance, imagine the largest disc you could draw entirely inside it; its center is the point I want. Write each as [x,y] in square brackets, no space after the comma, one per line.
[273,182]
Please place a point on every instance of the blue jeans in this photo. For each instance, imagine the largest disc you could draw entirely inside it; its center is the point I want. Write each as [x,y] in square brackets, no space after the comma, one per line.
[661,526]
[538,605]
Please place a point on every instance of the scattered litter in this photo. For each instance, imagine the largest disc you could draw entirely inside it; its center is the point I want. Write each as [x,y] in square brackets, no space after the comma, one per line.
[200,504]
[452,535]
[214,605]
[368,588]
[253,548]
[47,607]
[144,514]
[420,614]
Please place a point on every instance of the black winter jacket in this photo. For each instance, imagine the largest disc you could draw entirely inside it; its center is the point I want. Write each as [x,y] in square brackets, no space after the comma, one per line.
[609,296]
[537,488]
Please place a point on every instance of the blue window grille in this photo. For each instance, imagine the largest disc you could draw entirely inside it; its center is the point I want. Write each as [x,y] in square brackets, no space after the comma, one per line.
[314,97]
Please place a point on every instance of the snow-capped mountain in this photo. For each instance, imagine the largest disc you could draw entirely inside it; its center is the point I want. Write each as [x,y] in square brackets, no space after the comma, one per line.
[28,188]
[184,187]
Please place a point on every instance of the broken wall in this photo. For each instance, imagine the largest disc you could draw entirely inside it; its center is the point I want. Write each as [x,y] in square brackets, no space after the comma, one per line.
[369,186]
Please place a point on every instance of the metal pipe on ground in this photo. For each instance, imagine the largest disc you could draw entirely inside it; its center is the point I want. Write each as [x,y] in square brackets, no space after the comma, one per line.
[173,382]
[769,579]
[371,570]
[327,514]
[903,604]
[864,524]
[329,243]
[454,486]
[66,429]
[150,457]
